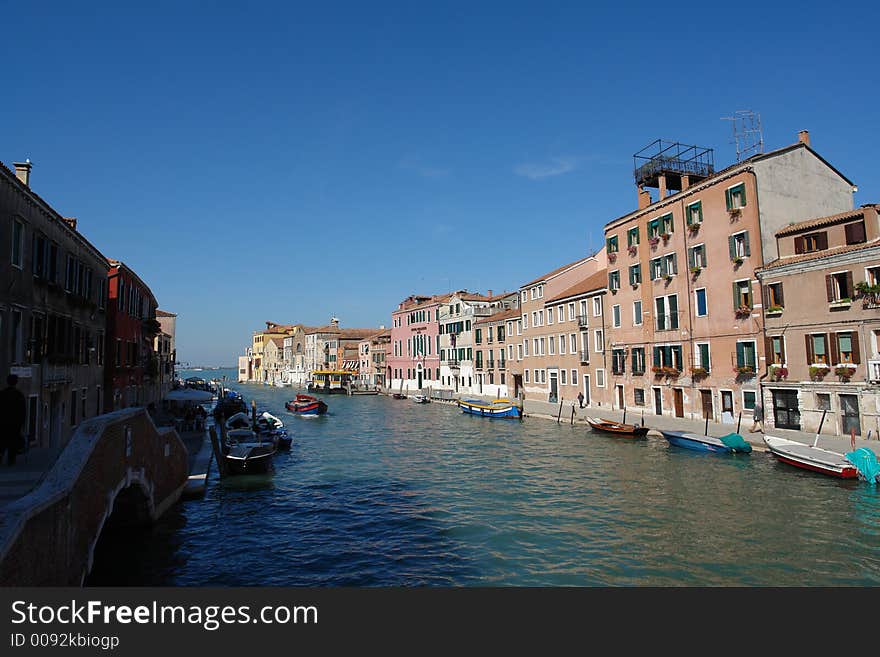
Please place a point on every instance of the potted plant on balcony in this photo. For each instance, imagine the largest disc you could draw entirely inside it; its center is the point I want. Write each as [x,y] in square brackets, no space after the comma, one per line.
[632,249]
[743,311]
[737,260]
[845,372]
[612,256]
[667,277]
[671,372]
[744,371]
[657,370]
[699,372]
[654,241]
[818,372]
[696,270]
[694,227]
[665,237]
[774,310]
[778,372]
[735,213]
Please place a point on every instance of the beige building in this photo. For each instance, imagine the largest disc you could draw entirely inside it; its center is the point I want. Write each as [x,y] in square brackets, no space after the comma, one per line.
[260,339]
[683,297]
[493,347]
[273,360]
[821,300]
[536,367]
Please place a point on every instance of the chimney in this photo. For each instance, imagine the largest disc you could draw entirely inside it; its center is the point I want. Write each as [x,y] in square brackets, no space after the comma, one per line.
[804,137]
[490,293]
[334,322]
[70,221]
[23,172]
[644,197]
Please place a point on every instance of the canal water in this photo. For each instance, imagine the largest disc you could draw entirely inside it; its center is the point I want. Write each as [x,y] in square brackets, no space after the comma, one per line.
[384,492]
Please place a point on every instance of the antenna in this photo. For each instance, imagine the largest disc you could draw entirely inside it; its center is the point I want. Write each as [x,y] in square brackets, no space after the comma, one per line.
[747,133]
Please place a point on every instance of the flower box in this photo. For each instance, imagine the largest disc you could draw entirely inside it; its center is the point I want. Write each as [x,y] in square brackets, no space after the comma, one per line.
[845,372]
[737,260]
[744,371]
[694,227]
[735,212]
[774,310]
[632,250]
[612,257]
[818,372]
[665,237]
[696,270]
[777,372]
[743,311]
[653,241]
[699,372]
[846,302]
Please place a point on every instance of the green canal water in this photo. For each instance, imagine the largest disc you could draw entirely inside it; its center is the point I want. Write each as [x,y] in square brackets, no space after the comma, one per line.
[384,492]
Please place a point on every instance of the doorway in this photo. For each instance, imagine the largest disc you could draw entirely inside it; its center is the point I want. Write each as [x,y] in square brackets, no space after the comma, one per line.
[554,386]
[706,402]
[678,400]
[419,376]
[620,400]
[849,411]
[727,406]
[658,401]
[586,378]
[786,414]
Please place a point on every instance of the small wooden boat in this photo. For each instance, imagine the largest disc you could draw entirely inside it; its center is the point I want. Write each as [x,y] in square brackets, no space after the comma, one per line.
[306,405]
[421,399]
[729,444]
[503,408]
[398,395]
[240,420]
[810,457]
[617,428]
[247,453]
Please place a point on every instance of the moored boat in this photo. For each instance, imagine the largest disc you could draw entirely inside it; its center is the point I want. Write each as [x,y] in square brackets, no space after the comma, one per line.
[503,408]
[330,381]
[810,457]
[421,399]
[617,428]
[247,453]
[728,444]
[306,405]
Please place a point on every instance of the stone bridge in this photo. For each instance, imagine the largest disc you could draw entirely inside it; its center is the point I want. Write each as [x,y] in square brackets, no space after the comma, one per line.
[118,462]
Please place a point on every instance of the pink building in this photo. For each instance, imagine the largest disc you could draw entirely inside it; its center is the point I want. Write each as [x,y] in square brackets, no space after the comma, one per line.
[413,358]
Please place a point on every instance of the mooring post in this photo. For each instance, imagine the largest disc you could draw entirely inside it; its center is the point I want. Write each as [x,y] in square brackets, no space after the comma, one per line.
[218,453]
[559,414]
[572,413]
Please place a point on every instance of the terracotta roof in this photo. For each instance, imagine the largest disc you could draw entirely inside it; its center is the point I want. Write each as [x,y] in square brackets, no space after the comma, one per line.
[162,313]
[359,333]
[817,255]
[555,271]
[426,301]
[499,316]
[322,329]
[278,342]
[594,283]
[791,229]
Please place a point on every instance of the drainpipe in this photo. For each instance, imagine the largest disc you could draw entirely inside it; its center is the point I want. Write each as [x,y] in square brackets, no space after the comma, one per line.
[763,340]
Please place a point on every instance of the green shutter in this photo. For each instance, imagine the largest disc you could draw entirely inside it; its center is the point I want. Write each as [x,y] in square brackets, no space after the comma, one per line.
[674,263]
[673,311]
[727,198]
[740,354]
[705,259]
[731,246]
[735,296]
[663,270]
[691,264]
[746,243]
[656,356]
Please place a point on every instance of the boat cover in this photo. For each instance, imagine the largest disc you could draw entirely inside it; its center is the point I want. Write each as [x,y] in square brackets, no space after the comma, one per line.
[736,442]
[866,463]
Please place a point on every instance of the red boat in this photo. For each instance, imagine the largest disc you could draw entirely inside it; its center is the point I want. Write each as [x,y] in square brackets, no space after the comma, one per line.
[306,405]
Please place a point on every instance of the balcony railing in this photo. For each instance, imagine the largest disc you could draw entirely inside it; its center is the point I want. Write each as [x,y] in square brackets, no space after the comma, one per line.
[874,371]
[452,362]
[490,365]
[583,320]
[585,356]
[479,365]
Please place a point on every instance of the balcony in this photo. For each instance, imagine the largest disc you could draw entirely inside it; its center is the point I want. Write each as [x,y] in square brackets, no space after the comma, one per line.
[490,365]
[583,321]
[452,362]
[585,356]
[502,364]
[874,371]
[479,365]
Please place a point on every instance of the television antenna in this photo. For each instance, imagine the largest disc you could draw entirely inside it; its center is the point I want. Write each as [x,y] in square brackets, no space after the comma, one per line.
[747,133]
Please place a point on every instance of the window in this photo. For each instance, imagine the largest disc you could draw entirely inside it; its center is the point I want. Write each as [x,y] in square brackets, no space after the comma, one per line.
[15,328]
[632,237]
[738,245]
[697,257]
[562,376]
[17,243]
[638,360]
[612,245]
[872,276]
[618,361]
[599,341]
[703,357]
[635,274]
[510,352]
[666,224]
[551,345]
[742,294]
[526,375]
[736,196]
[745,354]
[823,401]
[639,396]
[700,299]
[519,352]
[654,228]
[597,307]
[668,356]
[72,407]
[749,397]
[694,213]
[614,280]
[574,377]
[812,242]
[848,348]
[839,286]
[525,321]
[656,268]
[571,312]
[478,336]
[526,347]
[600,378]
[669,264]
[615,316]
[572,342]
[776,350]
[773,297]
[666,318]
[855,232]
[550,315]
[637,313]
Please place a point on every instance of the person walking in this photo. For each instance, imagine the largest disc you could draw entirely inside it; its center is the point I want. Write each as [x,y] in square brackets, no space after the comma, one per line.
[13,410]
[757,418]
[581,399]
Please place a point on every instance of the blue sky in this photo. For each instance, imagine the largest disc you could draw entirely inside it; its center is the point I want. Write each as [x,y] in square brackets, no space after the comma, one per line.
[289,162]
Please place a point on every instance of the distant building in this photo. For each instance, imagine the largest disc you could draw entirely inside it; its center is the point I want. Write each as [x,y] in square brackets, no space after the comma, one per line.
[273,357]
[372,352]
[165,347]
[492,348]
[413,357]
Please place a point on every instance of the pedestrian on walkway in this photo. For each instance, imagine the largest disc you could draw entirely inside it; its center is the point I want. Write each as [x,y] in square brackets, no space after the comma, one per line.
[758,418]
[13,409]
[581,399]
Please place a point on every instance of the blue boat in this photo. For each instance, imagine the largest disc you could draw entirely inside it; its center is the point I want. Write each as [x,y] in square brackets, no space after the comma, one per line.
[728,444]
[495,408]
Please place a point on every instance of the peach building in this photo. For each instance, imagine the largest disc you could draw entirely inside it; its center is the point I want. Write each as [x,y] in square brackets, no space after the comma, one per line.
[822,324]
[684,322]
[491,346]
